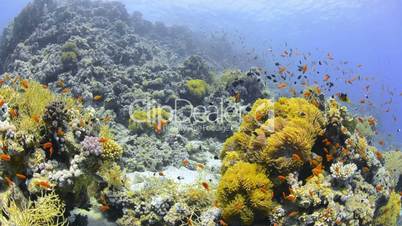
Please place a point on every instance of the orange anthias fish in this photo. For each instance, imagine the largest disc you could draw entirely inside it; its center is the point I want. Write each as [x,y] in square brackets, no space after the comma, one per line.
[160,125]
[282,69]
[103,208]
[36,118]
[2,102]
[372,121]
[378,187]
[293,214]
[97,98]
[317,170]
[5,157]
[103,140]
[25,84]
[43,184]
[282,85]
[205,185]
[66,90]
[282,178]
[326,77]
[303,68]
[60,132]
[223,223]
[290,197]
[8,181]
[186,162]
[378,155]
[48,147]
[13,112]
[21,176]
[296,157]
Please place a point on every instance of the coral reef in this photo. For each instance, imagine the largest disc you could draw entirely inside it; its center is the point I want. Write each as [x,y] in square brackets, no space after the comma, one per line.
[62,151]
[96,97]
[164,202]
[322,171]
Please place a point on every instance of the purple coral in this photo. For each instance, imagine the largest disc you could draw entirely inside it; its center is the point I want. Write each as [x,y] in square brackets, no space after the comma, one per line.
[91,145]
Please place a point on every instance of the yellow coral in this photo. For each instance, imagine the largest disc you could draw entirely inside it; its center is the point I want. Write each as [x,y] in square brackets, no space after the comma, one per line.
[47,210]
[231,158]
[197,88]
[112,174]
[279,134]
[243,190]
[237,210]
[30,112]
[141,120]
[388,215]
[297,138]
[111,150]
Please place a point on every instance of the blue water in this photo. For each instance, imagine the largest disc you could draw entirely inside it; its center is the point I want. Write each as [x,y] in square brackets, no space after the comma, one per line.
[367,32]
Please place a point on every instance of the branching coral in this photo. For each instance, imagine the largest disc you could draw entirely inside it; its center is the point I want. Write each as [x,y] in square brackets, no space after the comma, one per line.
[47,210]
[343,172]
[29,112]
[112,174]
[243,191]
[91,145]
